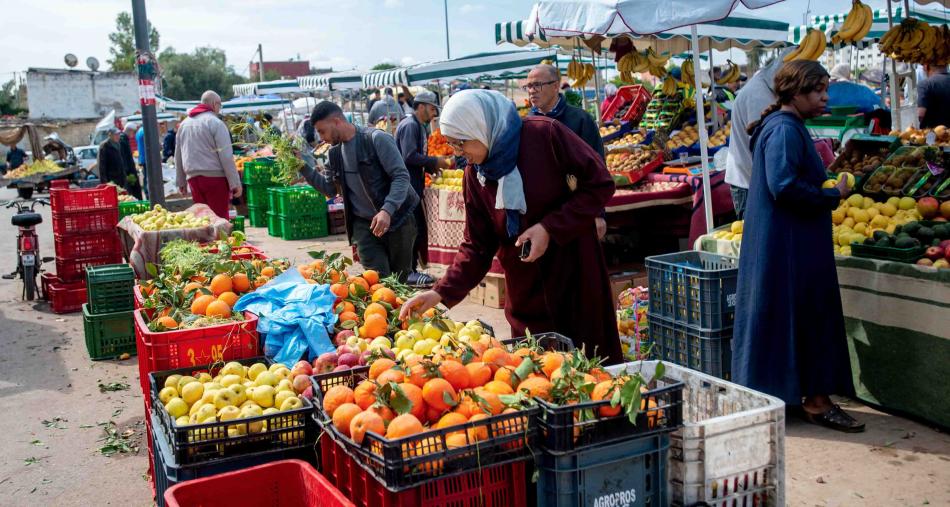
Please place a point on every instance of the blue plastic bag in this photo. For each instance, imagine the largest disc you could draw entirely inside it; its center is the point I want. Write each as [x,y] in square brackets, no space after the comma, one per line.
[295,317]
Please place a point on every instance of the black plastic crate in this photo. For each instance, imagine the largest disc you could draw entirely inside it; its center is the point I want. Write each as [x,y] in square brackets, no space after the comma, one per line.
[548,341]
[696,288]
[198,443]
[705,350]
[167,472]
[632,473]
[403,463]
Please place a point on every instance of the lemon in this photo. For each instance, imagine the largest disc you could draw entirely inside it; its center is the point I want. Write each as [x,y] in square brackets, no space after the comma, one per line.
[861,228]
[846,250]
[431,332]
[889,209]
[879,222]
[829,184]
[850,179]
[837,216]
[907,203]
[868,202]
[861,216]
[873,212]
[894,201]
[736,227]
[855,199]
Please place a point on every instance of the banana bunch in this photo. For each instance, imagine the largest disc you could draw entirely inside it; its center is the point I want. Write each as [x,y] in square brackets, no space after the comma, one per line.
[856,25]
[812,46]
[686,72]
[634,62]
[579,73]
[731,76]
[656,63]
[669,86]
[917,41]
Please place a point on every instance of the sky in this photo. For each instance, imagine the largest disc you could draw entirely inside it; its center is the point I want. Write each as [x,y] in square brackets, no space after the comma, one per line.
[342,34]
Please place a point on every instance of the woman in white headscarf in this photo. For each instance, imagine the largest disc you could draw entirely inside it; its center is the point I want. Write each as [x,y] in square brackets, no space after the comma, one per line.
[531,185]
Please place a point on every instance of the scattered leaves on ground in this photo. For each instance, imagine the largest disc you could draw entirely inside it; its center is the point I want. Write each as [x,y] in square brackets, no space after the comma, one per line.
[56,423]
[113,386]
[116,442]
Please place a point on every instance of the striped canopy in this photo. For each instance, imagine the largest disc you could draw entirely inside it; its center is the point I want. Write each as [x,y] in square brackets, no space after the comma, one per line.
[236,105]
[267,87]
[832,23]
[477,66]
[345,80]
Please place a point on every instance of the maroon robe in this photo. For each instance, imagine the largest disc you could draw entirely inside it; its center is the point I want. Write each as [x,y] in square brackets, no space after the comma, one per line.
[567,290]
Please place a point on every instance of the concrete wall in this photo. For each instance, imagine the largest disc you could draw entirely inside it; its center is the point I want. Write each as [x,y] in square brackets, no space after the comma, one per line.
[76,94]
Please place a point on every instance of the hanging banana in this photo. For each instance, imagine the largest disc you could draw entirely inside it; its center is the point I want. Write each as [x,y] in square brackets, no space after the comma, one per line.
[811,47]
[686,72]
[856,25]
[669,86]
[730,76]
[917,41]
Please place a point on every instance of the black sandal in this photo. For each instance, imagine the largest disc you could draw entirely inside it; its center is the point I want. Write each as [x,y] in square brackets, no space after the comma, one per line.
[836,419]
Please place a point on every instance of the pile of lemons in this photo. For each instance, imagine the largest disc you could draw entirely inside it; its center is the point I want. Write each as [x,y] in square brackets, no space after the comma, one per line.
[857,217]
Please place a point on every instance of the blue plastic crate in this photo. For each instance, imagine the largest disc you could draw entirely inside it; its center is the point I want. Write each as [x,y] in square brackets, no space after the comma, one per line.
[630,473]
[694,288]
[705,350]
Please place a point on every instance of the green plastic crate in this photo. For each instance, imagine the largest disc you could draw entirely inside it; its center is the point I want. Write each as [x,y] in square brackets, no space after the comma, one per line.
[301,200]
[133,208]
[295,227]
[257,216]
[108,335]
[237,223]
[109,288]
[259,171]
[257,196]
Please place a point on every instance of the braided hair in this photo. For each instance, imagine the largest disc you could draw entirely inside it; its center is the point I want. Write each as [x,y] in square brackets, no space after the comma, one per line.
[798,77]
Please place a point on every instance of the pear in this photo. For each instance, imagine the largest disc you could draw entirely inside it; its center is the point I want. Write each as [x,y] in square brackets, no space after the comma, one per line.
[282,396]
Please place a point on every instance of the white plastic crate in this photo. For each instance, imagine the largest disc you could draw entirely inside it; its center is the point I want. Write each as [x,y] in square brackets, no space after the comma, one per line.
[731,449]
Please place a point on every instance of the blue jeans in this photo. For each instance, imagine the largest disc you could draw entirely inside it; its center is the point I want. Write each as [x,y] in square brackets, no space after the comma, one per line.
[739,196]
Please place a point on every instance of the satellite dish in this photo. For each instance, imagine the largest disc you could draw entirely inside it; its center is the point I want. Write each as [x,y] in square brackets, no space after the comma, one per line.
[71,60]
[92,63]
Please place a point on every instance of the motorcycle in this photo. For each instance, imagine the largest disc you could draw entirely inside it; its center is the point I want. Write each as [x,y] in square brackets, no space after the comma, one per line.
[29,262]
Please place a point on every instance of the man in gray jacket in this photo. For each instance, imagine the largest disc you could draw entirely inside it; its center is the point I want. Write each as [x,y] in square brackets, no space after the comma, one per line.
[204,161]
[366,168]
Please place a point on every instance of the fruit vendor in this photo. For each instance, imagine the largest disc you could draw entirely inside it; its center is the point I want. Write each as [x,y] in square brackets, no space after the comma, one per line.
[15,157]
[542,88]
[933,97]
[411,138]
[532,190]
[844,92]
[366,168]
[789,337]
[109,160]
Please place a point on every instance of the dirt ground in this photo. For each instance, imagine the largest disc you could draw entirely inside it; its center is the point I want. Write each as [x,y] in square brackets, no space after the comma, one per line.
[53,416]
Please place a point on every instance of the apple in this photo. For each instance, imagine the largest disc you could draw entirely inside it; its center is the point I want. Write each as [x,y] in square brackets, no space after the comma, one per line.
[928,207]
[301,383]
[349,359]
[945,244]
[933,253]
[342,367]
[346,349]
[301,368]
[925,262]
[945,209]
[942,264]
[325,362]
[364,357]
[308,393]
[342,336]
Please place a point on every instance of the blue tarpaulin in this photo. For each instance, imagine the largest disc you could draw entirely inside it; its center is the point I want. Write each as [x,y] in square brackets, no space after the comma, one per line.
[295,317]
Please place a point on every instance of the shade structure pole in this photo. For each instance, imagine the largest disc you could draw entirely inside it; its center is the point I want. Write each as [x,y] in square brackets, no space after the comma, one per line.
[713,109]
[895,99]
[597,85]
[701,127]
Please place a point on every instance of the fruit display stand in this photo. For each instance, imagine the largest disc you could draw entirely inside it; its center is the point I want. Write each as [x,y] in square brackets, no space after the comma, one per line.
[141,247]
[841,128]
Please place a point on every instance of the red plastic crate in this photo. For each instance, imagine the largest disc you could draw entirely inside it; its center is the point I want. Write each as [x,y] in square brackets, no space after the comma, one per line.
[285,482]
[63,200]
[496,486]
[138,299]
[86,221]
[45,280]
[77,246]
[151,450]
[67,297]
[636,94]
[71,270]
[171,350]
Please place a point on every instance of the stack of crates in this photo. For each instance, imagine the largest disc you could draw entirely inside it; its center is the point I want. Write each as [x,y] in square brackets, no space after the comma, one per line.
[107,317]
[297,212]
[692,309]
[258,177]
[133,208]
[84,235]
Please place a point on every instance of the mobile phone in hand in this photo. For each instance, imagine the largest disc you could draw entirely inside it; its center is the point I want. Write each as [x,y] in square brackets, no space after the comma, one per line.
[525,249]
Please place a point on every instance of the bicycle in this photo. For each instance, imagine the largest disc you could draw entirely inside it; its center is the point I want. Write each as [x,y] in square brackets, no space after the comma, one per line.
[29,262]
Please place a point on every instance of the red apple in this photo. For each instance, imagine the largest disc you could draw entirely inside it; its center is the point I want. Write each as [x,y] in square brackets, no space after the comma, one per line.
[933,253]
[364,357]
[927,207]
[346,349]
[925,262]
[945,244]
[301,368]
[341,337]
[326,362]
[308,393]
[301,383]
[349,360]
[342,367]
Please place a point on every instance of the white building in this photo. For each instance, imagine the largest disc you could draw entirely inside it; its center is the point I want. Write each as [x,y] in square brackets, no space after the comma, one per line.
[67,94]
[858,59]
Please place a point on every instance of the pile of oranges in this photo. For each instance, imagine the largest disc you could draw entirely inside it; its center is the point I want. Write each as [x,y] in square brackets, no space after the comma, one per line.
[438,145]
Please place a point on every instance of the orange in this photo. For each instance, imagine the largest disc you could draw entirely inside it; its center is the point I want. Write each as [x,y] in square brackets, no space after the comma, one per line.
[450,419]
[489,401]
[305,271]
[318,266]
[343,416]
[383,411]
[506,375]
[220,284]
[336,396]
[551,361]
[433,415]
[456,440]
[346,306]
[358,282]
[365,422]
[371,277]
[604,391]
[200,305]
[260,281]
[537,386]
[339,290]
[455,373]
[414,393]
[240,283]
[499,387]
[600,374]
[380,365]
[228,297]
[496,357]
[375,287]
[425,447]
[418,375]
[218,308]
[268,271]
[345,316]
[439,394]
[334,276]
[386,295]
[467,407]
[479,373]
[199,278]
[374,326]
[404,426]
[365,394]
[192,286]
[167,322]
[478,432]
[375,309]
[387,376]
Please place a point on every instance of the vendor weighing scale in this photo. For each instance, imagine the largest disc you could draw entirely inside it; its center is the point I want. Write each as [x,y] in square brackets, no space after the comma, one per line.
[690,166]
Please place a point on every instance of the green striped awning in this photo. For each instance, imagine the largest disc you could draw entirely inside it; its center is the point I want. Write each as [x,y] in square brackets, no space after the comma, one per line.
[350,79]
[267,88]
[513,32]
[477,66]
[383,78]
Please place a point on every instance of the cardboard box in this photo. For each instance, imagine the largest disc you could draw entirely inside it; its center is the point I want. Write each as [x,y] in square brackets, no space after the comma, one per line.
[620,282]
[477,295]
[494,287]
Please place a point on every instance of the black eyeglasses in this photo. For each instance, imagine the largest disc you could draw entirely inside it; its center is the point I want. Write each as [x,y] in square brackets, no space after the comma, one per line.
[536,86]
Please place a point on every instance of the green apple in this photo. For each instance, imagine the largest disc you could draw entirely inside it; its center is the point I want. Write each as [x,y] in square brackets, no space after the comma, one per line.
[291,404]
[281,396]
[232,368]
[166,394]
[424,347]
[224,398]
[380,342]
[240,393]
[264,396]
[176,407]
[192,392]
[285,385]
[405,342]
[184,380]
[207,411]
[172,381]
[204,377]
[266,378]
[231,379]
[255,370]
[228,413]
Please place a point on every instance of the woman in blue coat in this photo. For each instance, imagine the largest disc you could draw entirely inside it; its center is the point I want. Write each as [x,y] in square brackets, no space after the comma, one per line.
[789,338]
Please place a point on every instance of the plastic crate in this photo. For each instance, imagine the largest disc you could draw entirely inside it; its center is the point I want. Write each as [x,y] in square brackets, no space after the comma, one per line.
[259,171]
[731,448]
[494,486]
[63,200]
[72,270]
[705,350]
[168,472]
[888,253]
[632,472]
[84,222]
[110,288]
[169,350]
[296,227]
[150,445]
[237,224]
[696,288]
[108,335]
[77,246]
[407,462]
[133,208]
[547,341]
[197,443]
[337,222]
[66,297]
[298,200]
[256,196]
[257,217]
[138,299]
[284,482]
[45,280]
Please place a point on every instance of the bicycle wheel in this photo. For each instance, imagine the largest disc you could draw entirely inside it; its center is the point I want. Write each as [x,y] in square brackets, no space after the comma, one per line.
[29,282]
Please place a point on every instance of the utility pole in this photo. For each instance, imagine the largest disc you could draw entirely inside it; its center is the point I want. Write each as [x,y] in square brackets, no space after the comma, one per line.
[260,63]
[145,62]
[445,7]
